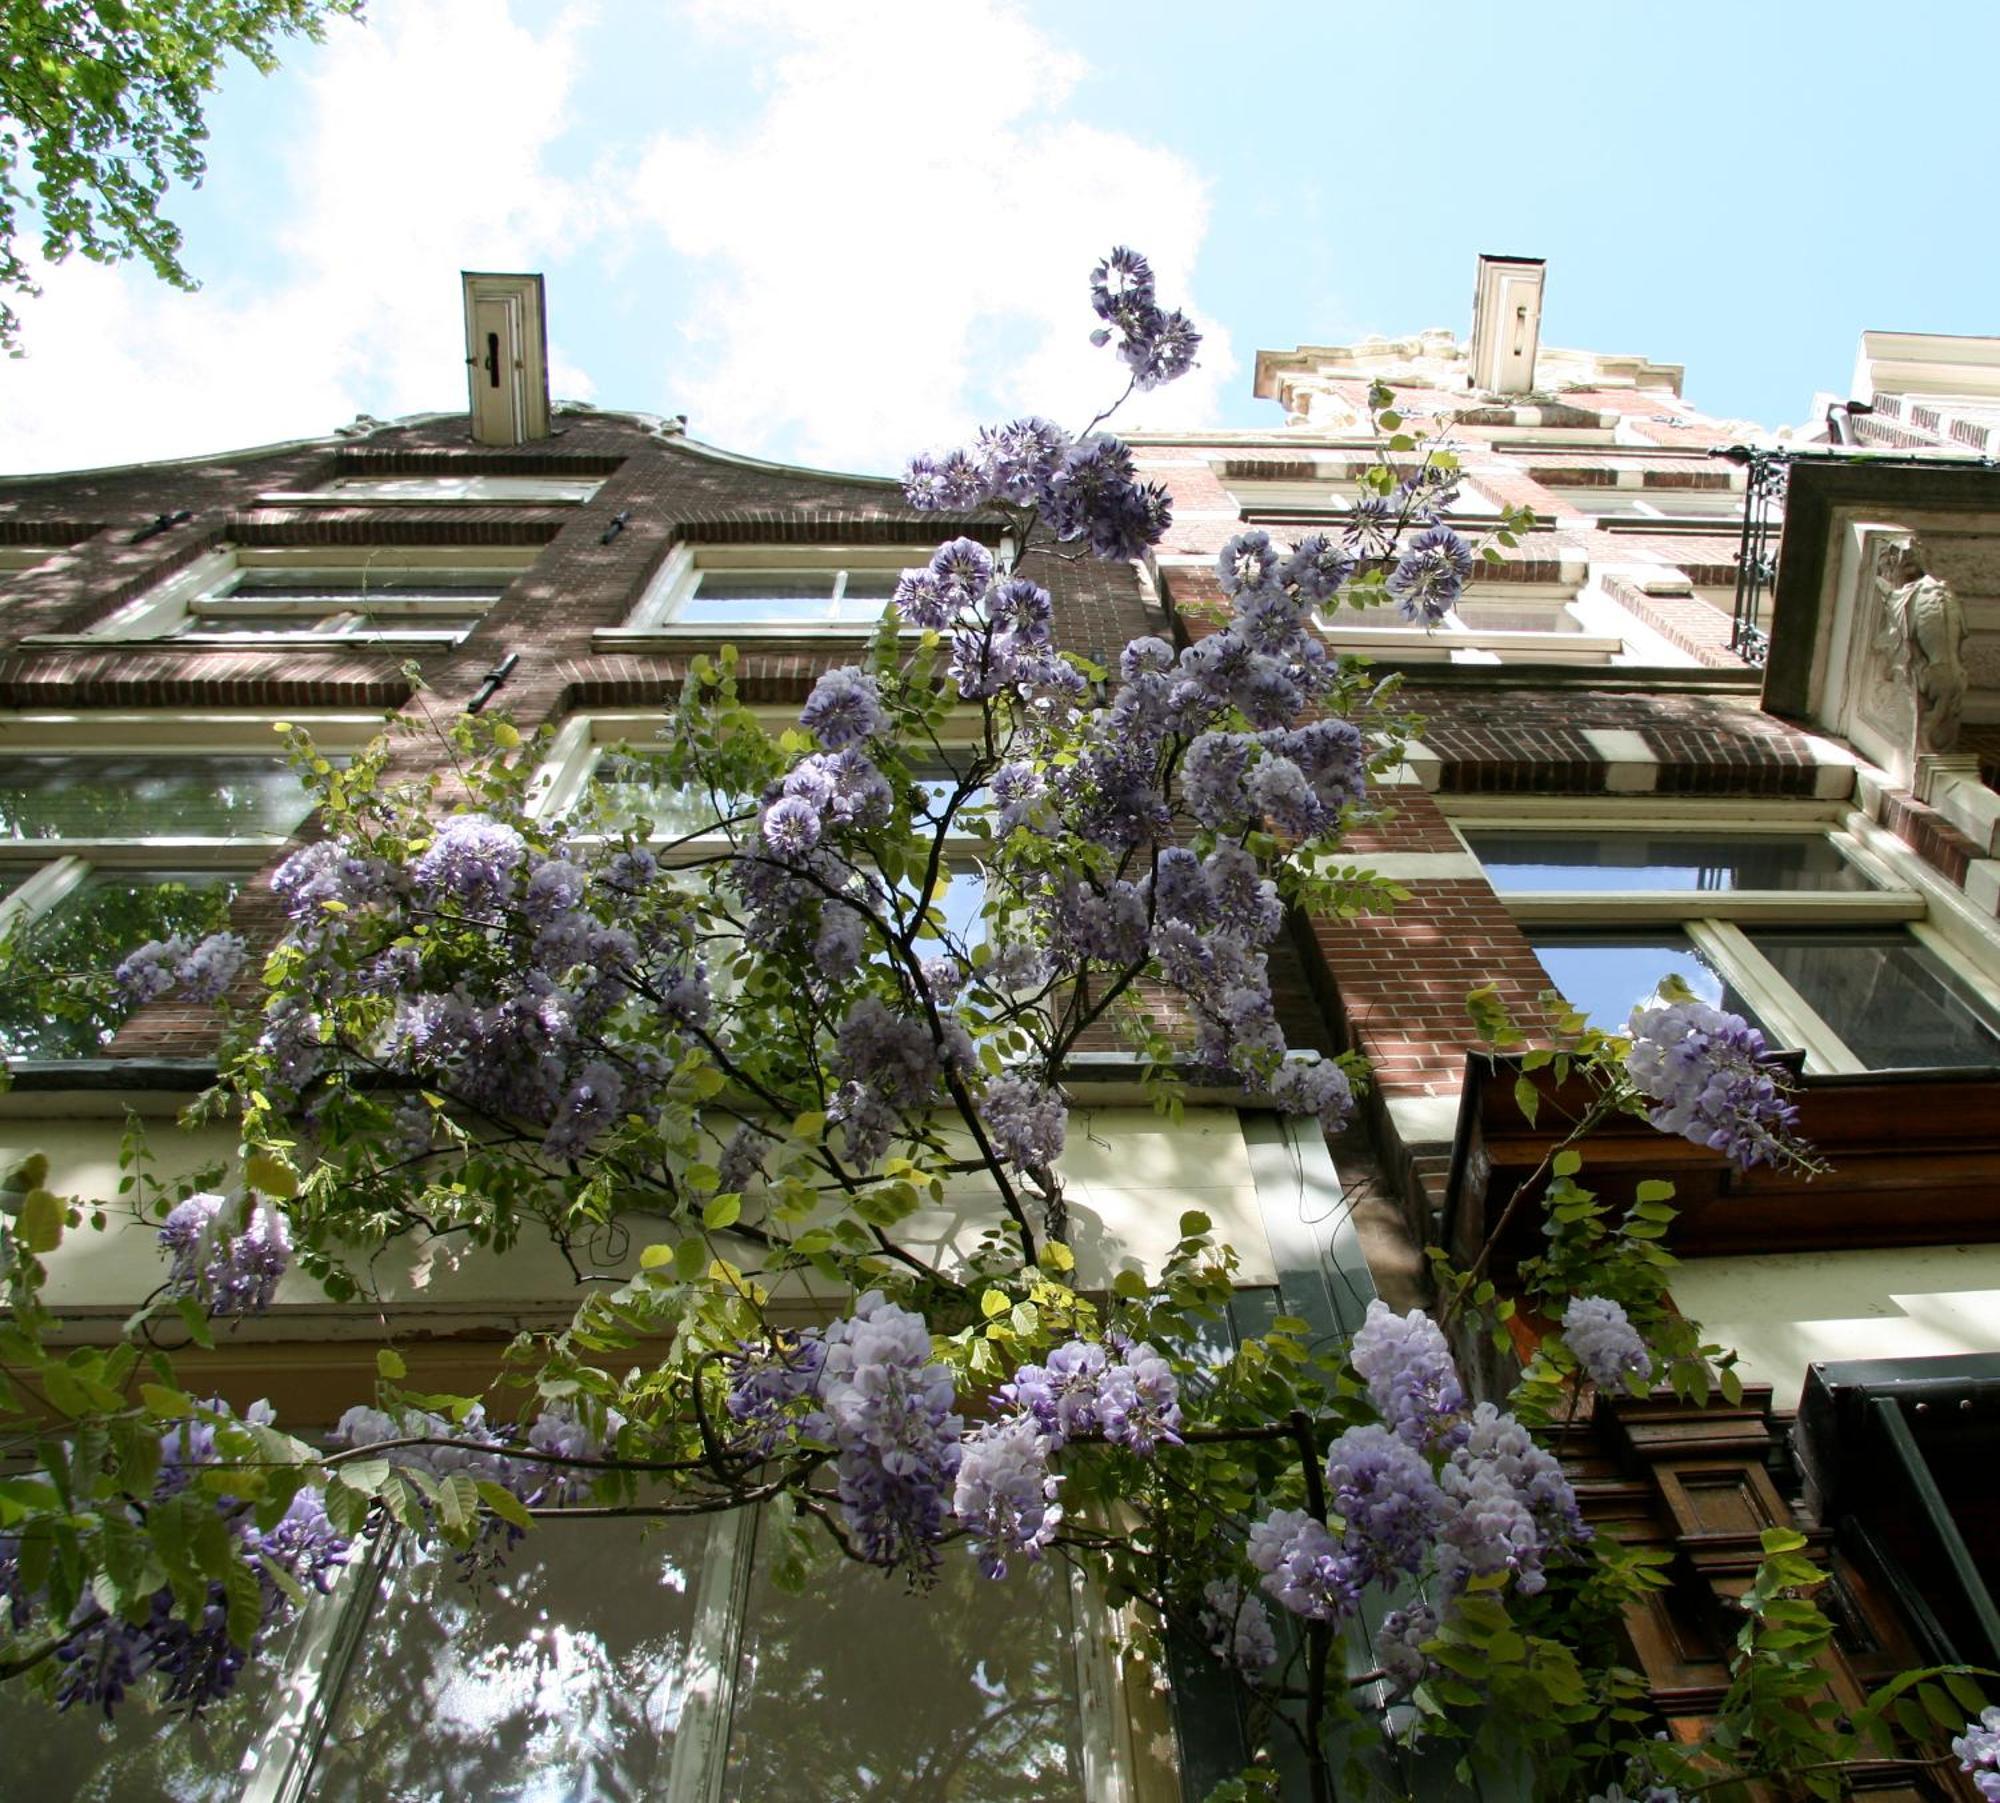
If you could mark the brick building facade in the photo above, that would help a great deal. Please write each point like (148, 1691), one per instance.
(1600, 776)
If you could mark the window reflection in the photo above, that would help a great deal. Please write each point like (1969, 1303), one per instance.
(862, 1688)
(90, 931)
(1606, 975)
(1703, 863)
(1889, 997)
(82, 797)
(560, 1679)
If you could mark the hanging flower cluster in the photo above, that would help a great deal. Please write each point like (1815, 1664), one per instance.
(1703, 1069)
(1437, 1490)
(1605, 1342)
(1978, 1751)
(227, 1255)
(195, 1659)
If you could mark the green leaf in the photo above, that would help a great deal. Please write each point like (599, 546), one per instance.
(40, 1223)
(994, 1302)
(1194, 1224)
(366, 1477)
(270, 1175)
(389, 1364)
(1567, 1162)
(724, 1211)
(244, 1599)
(690, 1260)
(505, 1504)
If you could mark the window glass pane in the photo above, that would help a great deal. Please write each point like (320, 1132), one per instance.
(349, 623)
(1710, 863)
(1894, 1002)
(146, 1752)
(626, 790)
(466, 488)
(347, 587)
(559, 1678)
(872, 585)
(110, 914)
(782, 597)
(78, 797)
(1606, 975)
(864, 1689)
(959, 898)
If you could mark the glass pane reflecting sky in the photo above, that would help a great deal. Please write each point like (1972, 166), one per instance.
(1711, 863)
(1607, 975)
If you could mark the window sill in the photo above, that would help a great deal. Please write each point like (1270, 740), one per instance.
(270, 641)
(671, 636)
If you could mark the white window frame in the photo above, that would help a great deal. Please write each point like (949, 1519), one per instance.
(656, 614)
(440, 490)
(1908, 894)
(1719, 506)
(161, 614)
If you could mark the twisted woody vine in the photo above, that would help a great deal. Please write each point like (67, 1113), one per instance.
(735, 1029)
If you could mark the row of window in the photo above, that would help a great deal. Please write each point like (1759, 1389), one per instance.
(1818, 937)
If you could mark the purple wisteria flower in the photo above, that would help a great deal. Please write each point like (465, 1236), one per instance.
(484, 1453)
(1005, 1494)
(844, 708)
(1383, 1490)
(194, 1660)
(790, 827)
(1606, 1344)
(1431, 575)
(1305, 1569)
(1399, 1644)
(1124, 1390)
(770, 1384)
(1026, 1121)
(1157, 346)
(470, 864)
(1978, 1751)
(225, 1257)
(1514, 1509)
(887, 1412)
(589, 1108)
(1411, 1379)
(1702, 1069)
(1238, 1627)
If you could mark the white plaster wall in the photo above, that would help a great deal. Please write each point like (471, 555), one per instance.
(1785, 1312)
(1130, 1175)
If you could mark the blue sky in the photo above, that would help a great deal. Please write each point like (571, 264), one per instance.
(837, 230)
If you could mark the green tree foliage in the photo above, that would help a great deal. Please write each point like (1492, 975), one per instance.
(101, 112)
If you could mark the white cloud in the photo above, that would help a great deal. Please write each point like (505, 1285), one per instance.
(421, 150)
(906, 193)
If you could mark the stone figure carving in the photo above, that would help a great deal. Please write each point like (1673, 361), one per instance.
(1922, 633)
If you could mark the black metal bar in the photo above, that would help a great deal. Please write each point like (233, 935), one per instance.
(164, 522)
(618, 524)
(494, 678)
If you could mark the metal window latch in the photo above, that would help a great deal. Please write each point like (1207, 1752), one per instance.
(494, 678)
